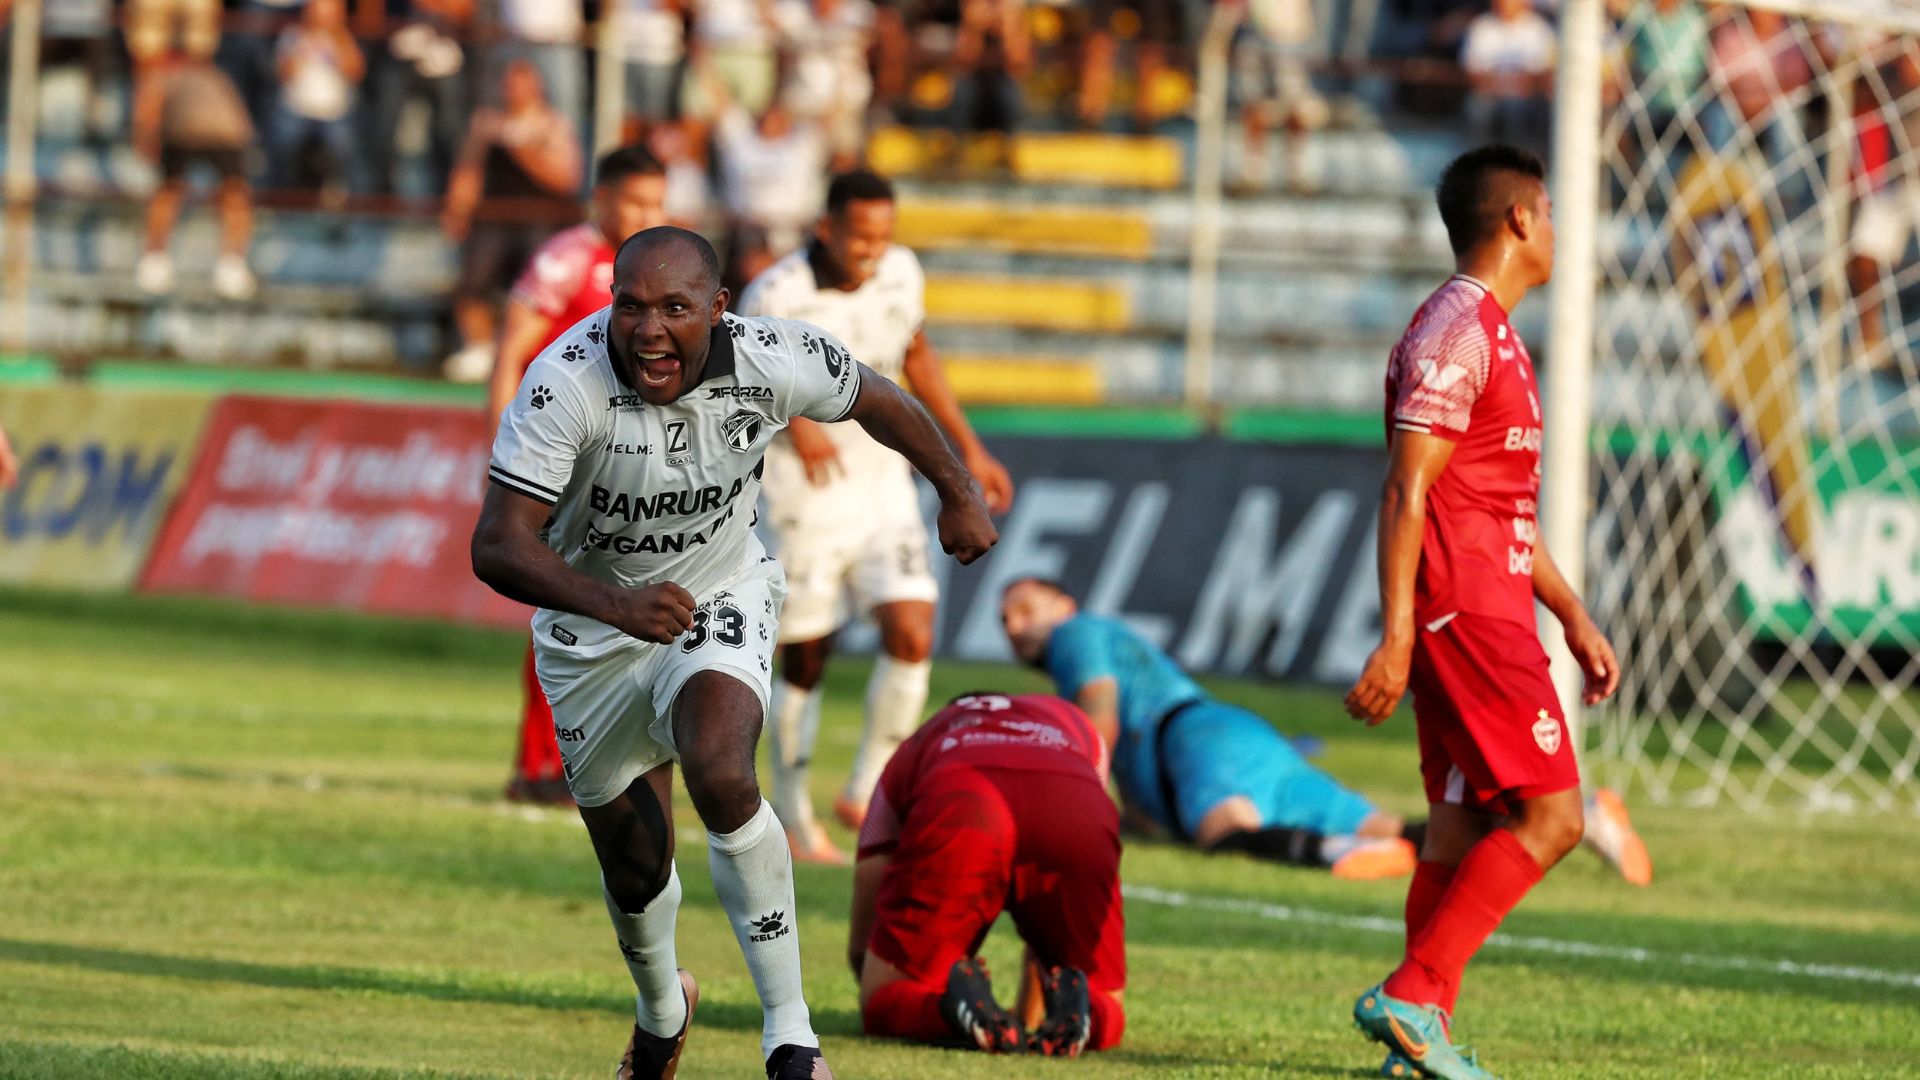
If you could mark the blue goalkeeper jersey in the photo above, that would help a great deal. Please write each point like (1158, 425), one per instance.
(1087, 648)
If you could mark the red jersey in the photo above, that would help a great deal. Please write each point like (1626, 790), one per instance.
(1460, 372)
(569, 278)
(1030, 732)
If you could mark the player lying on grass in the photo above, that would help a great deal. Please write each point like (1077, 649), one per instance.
(624, 476)
(1460, 573)
(996, 803)
(1205, 771)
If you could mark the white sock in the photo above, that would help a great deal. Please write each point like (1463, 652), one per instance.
(753, 876)
(646, 940)
(796, 727)
(896, 694)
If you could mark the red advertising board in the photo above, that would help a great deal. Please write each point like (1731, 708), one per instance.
(336, 503)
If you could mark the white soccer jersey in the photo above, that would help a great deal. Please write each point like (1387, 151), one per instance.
(878, 322)
(650, 493)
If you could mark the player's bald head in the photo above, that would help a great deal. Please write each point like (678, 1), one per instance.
(671, 250)
(1480, 187)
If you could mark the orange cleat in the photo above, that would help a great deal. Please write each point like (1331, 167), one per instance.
(1611, 836)
(816, 848)
(1374, 860)
(851, 814)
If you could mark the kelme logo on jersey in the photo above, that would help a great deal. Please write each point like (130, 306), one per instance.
(539, 397)
(1546, 733)
(741, 393)
(563, 635)
(742, 430)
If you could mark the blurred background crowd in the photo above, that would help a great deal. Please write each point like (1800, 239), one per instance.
(483, 116)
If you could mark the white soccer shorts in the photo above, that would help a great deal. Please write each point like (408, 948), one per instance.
(834, 574)
(613, 715)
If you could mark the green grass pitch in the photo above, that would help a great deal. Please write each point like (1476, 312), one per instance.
(247, 843)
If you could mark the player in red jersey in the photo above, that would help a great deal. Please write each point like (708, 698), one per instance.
(1460, 569)
(996, 802)
(569, 278)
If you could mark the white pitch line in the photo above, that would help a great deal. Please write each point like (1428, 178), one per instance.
(1147, 894)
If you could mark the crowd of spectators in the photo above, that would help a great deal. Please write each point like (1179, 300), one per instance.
(485, 108)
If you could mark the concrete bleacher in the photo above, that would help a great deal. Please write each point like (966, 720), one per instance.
(1063, 281)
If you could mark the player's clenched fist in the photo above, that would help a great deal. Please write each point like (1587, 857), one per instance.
(1382, 683)
(966, 532)
(657, 613)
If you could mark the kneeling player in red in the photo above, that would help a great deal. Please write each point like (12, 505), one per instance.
(996, 803)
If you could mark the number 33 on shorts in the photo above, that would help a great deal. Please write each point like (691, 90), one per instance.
(720, 621)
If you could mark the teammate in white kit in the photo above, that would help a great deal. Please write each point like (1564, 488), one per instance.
(843, 507)
(624, 479)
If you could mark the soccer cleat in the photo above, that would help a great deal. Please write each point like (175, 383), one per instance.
(817, 848)
(657, 1057)
(1069, 1022)
(972, 1012)
(1610, 834)
(154, 273)
(792, 1062)
(1376, 859)
(231, 278)
(851, 814)
(1418, 1033)
(1398, 1067)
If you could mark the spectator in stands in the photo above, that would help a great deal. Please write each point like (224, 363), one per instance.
(1756, 64)
(991, 54)
(654, 37)
(829, 80)
(157, 29)
(689, 196)
(734, 48)
(1509, 54)
(1889, 213)
(772, 172)
(320, 72)
(518, 176)
(1667, 57)
(550, 34)
(1156, 25)
(186, 112)
(1275, 87)
(246, 54)
(424, 60)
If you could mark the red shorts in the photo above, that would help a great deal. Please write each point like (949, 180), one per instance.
(1491, 728)
(1043, 846)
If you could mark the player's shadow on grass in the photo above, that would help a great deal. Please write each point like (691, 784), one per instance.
(462, 987)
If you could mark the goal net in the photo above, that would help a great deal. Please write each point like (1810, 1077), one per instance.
(1755, 546)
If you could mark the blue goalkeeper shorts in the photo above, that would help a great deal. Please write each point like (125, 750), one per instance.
(1213, 751)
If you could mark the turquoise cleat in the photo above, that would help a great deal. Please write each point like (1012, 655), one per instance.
(1416, 1034)
(1399, 1068)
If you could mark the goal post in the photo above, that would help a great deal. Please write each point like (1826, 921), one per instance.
(1732, 384)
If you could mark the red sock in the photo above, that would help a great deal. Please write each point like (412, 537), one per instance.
(1430, 881)
(1490, 882)
(539, 757)
(1109, 1021)
(904, 1009)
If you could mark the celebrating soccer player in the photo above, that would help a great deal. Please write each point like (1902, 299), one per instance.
(843, 507)
(1460, 569)
(624, 478)
(567, 280)
(997, 803)
(1204, 771)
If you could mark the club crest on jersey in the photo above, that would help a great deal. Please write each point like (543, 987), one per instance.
(1546, 733)
(742, 430)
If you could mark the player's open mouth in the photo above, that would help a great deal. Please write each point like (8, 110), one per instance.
(658, 369)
